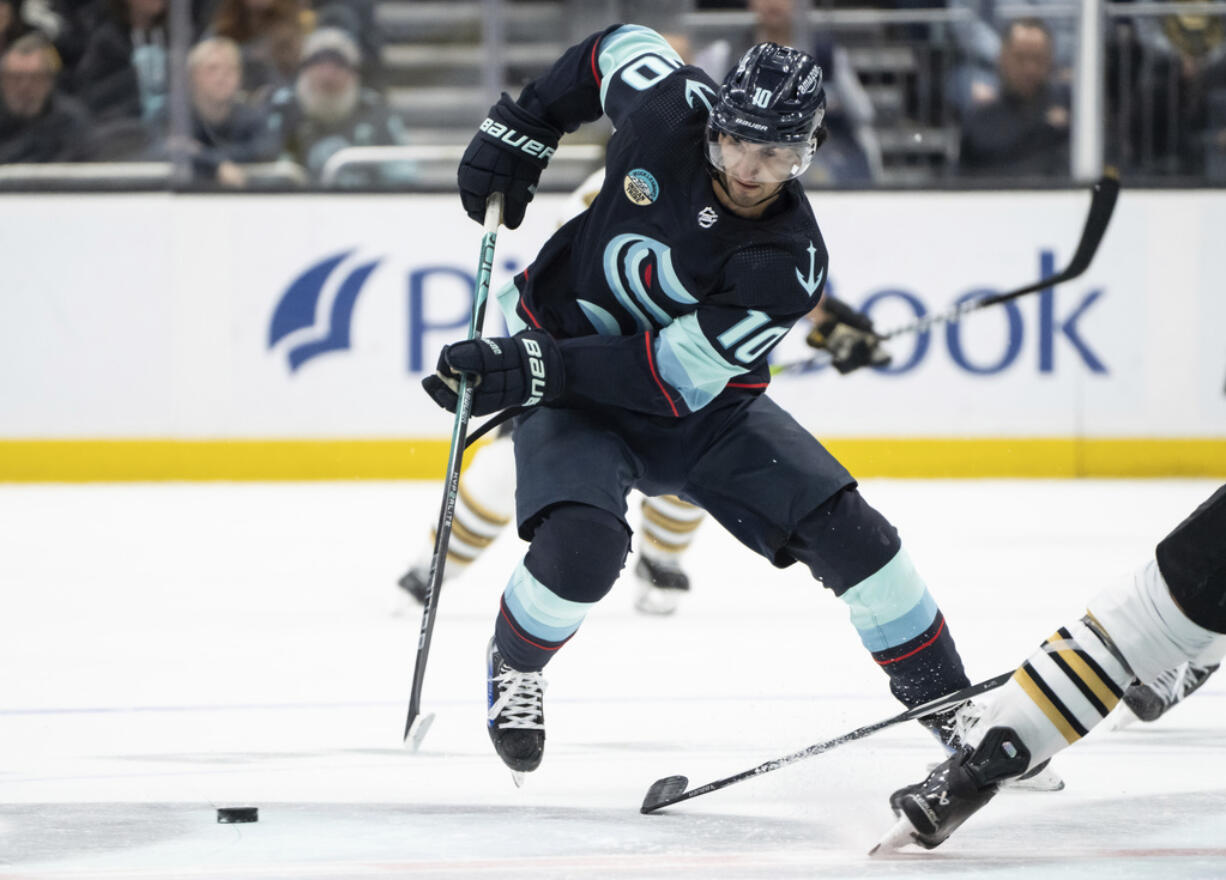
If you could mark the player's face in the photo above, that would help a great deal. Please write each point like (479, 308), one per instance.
(753, 174)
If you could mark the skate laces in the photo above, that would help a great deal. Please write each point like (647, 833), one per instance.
(966, 718)
(519, 700)
(1170, 685)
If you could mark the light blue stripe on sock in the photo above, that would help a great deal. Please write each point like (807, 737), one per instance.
(539, 611)
(891, 606)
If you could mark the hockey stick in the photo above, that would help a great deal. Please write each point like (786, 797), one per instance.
(1102, 204)
(671, 789)
(416, 725)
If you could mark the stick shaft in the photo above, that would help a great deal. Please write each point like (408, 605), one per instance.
(451, 485)
(818, 748)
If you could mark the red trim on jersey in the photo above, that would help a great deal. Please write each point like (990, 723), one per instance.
(912, 653)
(531, 317)
(647, 275)
(595, 66)
(748, 384)
(652, 366)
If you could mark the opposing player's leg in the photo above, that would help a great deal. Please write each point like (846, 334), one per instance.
(667, 530)
(573, 514)
(1170, 611)
(485, 505)
(778, 490)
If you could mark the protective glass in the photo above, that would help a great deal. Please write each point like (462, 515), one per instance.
(757, 162)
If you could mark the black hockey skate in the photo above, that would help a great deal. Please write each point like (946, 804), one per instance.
(660, 586)
(416, 582)
(516, 714)
(951, 728)
(932, 810)
(1149, 702)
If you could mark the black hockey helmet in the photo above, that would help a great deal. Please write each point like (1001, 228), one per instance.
(773, 96)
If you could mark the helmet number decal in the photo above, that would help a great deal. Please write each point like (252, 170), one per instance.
(761, 97)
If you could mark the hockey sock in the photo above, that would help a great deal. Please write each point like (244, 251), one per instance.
(576, 555)
(902, 627)
(1062, 690)
(668, 528)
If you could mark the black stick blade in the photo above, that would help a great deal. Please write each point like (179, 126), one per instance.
(663, 792)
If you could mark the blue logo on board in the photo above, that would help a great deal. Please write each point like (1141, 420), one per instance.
(301, 311)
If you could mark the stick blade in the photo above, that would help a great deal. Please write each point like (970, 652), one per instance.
(417, 731)
(663, 792)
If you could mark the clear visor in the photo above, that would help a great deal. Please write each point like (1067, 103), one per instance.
(753, 162)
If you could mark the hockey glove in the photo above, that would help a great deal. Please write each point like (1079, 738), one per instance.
(522, 370)
(506, 155)
(849, 337)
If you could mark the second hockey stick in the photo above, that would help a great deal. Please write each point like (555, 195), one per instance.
(1102, 205)
(416, 724)
(671, 789)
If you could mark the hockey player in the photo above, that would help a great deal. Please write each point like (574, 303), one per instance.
(1170, 611)
(641, 335)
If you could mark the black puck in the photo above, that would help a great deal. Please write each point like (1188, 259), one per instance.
(232, 815)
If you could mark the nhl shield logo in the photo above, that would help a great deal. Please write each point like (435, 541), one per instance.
(641, 187)
(707, 217)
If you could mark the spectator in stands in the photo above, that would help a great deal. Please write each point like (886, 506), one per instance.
(1025, 130)
(270, 35)
(357, 18)
(226, 133)
(328, 110)
(1181, 84)
(123, 74)
(975, 79)
(38, 123)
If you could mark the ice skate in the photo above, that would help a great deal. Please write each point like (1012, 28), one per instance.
(954, 791)
(1149, 702)
(661, 585)
(516, 714)
(953, 726)
(416, 583)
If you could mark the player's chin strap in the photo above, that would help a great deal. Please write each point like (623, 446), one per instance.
(493, 422)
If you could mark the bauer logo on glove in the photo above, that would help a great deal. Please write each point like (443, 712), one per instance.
(522, 370)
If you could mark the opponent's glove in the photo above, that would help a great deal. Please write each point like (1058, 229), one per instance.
(506, 155)
(849, 337)
(521, 370)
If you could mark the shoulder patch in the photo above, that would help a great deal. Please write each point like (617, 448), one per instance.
(640, 186)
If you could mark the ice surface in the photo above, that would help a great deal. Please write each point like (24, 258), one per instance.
(169, 649)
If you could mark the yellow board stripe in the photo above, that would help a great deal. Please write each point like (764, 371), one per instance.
(1040, 699)
(89, 460)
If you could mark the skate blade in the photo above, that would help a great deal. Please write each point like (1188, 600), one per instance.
(1122, 717)
(900, 835)
(1045, 780)
(417, 732)
(517, 776)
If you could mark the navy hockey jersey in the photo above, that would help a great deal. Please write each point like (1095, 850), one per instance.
(661, 299)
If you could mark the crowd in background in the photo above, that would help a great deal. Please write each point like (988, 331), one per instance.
(88, 80)
(276, 81)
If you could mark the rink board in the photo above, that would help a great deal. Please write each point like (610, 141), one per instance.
(158, 336)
